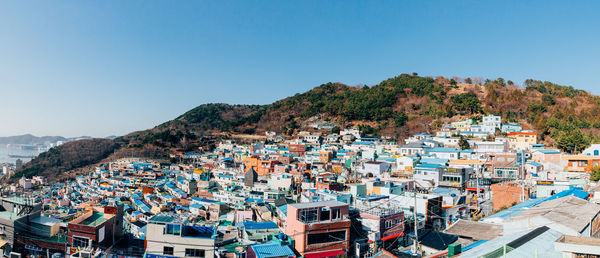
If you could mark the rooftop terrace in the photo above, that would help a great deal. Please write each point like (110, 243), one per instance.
(96, 219)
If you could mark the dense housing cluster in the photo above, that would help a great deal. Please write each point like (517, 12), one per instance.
(471, 189)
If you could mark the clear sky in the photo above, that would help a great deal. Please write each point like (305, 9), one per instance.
(104, 68)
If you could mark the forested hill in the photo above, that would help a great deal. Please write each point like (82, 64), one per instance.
(397, 107)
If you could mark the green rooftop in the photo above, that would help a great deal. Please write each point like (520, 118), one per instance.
(96, 219)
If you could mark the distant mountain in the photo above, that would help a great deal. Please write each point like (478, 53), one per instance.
(565, 117)
(30, 139)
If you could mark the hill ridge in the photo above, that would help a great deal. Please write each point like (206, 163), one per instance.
(396, 107)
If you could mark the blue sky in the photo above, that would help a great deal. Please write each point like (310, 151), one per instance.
(104, 68)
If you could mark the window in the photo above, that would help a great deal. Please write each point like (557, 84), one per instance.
(388, 224)
(173, 229)
(325, 213)
(336, 214)
(499, 173)
(308, 215)
(328, 237)
(194, 252)
(168, 250)
(81, 242)
(511, 174)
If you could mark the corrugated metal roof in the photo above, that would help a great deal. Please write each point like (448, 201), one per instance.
(272, 250)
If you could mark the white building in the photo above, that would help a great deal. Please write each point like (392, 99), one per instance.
(593, 150)
(280, 181)
(170, 235)
(447, 141)
(375, 168)
(491, 123)
(491, 147)
(351, 131)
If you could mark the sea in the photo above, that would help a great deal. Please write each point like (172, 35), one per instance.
(6, 150)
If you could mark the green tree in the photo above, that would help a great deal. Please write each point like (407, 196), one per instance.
(572, 141)
(501, 81)
(335, 129)
(367, 130)
(463, 143)
(453, 83)
(548, 100)
(466, 102)
(400, 118)
(595, 173)
(468, 81)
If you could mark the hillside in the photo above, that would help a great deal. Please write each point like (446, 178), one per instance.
(69, 156)
(396, 107)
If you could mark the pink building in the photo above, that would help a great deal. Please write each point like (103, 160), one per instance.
(241, 216)
(319, 229)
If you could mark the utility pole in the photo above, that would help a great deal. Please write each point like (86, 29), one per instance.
(522, 172)
(477, 177)
(416, 242)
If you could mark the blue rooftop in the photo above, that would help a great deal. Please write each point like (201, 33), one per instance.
(434, 161)
(549, 151)
(534, 164)
(429, 166)
(272, 250)
(199, 231)
(283, 208)
(521, 207)
(251, 225)
(444, 150)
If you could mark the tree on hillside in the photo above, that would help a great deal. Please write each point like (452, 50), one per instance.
(367, 130)
(466, 102)
(400, 118)
(548, 100)
(572, 141)
(468, 81)
(335, 129)
(463, 143)
(453, 83)
(500, 81)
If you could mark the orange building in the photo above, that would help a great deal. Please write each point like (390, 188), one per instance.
(581, 163)
(251, 162)
(325, 156)
(266, 167)
(506, 194)
(261, 166)
(521, 140)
